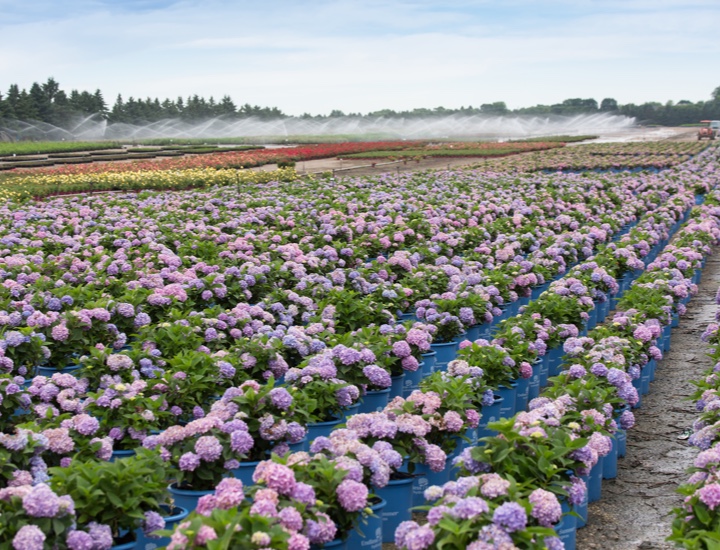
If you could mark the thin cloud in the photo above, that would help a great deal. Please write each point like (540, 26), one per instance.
(366, 55)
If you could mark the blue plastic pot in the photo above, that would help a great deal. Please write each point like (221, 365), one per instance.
(446, 352)
(187, 498)
(470, 440)
(534, 386)
(369, 533)
(473, 332)
(337, 544)
(538, 290)
(504, 314)
(374, 401)
(302, 445)
(521, 394)
(126, 546)
(544, 370)
(351, 410)
(412, 380)
(667, 332)
(645, 380)
(49, 371)
(489, 413)
(593, 318)
(424, 478)
(610, 461)
(172, 518)
(410, 316)
(398, 494)
(429, 360)
(621, 440)
(116, 455)
(582, 508)
(595, 481)
(245, 471)
(396, 388)
(566, 528)
(508, 395)
(554, 359)
(321, 429)
(637, 384)
(651, 366)
(512, 309)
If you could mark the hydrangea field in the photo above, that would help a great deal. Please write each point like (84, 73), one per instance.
(445, 359)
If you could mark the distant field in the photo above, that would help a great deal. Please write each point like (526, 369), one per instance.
(554, 139)
(410, 153)
(41, 147)
(462, 149)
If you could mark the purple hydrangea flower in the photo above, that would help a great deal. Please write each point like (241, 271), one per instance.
(208, 448)
(189, 462)
(710, 495)
(545, 507)
(41, 502)
(510, 516)
(377, 376)
(153, 522)
(469, 507)
(281, 398)
(80, 540)
(29, 537)
(352, 495)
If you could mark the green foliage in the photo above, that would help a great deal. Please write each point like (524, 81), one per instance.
(12, 461)
(696, 526)
(29, 354)
(255, 407)
(542, 462)
(41, 147)
(13, 518)
(453, 531)
(499, 368)
(353, 311)
(114, 493)
(235, 528)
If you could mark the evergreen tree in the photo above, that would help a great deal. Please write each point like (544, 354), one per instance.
(117, 114)
(12, 99)
(99, 105)
(226, 106)
(5, 109)
(25, 107)
(40, 103)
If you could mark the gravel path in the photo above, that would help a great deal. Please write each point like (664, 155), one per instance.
(635, 509)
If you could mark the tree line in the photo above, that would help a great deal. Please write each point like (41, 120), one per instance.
(47, 102)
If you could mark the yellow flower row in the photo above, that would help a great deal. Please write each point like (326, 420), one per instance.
(43, 185)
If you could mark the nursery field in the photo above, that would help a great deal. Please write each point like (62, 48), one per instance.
(228, 358)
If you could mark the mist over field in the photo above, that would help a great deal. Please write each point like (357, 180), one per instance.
(452, 126)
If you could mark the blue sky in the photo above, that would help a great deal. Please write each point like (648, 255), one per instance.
(359, 56)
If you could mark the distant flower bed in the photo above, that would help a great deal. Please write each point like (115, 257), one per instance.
(601, 156)
(37, 186)
(461, 149)
(233, 159)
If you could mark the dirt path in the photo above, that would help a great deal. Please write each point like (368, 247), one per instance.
(634, 511)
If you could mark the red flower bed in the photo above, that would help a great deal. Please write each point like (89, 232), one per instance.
(236, 159)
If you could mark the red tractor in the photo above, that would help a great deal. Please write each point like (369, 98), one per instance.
(710, 130)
